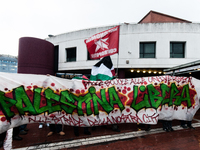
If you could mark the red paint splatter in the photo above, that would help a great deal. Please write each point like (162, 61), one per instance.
(155, 83)
(145, 82)
(82, 91)
(182, 107)
(35, 86)
(192, 86)
(128, 89)
(71, 90)
(6, 89)
(127, 110)
(52, 115)
(3, 119)
(175, 108)
(124, 91)
(77, 91)
(29, 87)
(52, 84)
(125, 87)
(57, 90)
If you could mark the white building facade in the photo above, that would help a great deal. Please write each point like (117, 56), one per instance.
(144, 49)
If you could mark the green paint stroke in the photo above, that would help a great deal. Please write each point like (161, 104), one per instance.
(153, 100)
(90, 102)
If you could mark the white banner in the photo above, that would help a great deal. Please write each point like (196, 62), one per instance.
(26, 98)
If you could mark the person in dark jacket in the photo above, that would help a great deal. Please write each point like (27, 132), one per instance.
(2, 138)
(15, 135)
(55, 128)
(187, 124)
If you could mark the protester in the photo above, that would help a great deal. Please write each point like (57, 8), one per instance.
(189, 124)
(23, 130)
(76, 131)
(115, 128)
(2, 138)
(15, 135)
(167, 126)
(41, 125)
(55, 128)
(148, 128)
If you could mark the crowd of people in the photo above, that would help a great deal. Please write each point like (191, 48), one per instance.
(167, 125)
(53, 128)
(58, 128)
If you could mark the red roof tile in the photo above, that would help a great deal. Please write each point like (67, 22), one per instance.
(156, 17)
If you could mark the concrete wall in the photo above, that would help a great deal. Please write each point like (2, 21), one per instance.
(130, 37)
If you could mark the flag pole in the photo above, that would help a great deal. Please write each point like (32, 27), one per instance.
(117, 64)
(118, 53)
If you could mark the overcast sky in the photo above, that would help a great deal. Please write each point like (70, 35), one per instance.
(39, 18)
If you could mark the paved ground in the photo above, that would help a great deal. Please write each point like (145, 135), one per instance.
(105, 138)
(178, 140)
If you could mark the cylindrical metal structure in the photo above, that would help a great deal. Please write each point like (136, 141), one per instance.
(35, 56)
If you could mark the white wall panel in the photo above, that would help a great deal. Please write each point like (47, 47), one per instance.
(130, 37)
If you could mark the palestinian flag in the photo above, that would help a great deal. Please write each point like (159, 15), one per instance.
(103, 70)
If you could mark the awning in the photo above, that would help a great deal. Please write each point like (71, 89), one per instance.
(184, 68)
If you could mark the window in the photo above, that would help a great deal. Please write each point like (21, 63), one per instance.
(88, 56)
(177, 49)
(56, 58)
(71, 54)
(147, 49)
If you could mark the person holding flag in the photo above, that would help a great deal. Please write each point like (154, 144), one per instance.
(102, 45)
(101, 71)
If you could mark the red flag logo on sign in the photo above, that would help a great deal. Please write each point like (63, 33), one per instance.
(103, 44)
